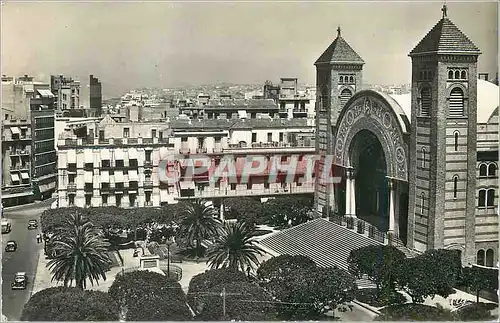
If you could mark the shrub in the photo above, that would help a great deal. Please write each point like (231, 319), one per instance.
(208, 280)
(244, 302)
(415, 312)
(477, 312)
(149, 296)
(70, 304)
(371, 297)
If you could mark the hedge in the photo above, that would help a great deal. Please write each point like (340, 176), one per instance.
(415, 312)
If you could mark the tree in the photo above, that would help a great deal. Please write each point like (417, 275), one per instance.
(274, 273)
(244, 209)
(200, 222)
(70, 304)
(285, 211)
(81, 253)
(480, 278)
(235, 248)
(379, 263)
(312, 293)
(244, 301)
(209, 279)
(149, 296)
(446, 267)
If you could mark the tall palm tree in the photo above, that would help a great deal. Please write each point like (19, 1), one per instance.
(235, 248)
(81, 253)
(199, 223)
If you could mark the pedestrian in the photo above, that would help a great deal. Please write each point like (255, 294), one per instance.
(38, 238)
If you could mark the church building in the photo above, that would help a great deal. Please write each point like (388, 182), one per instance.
(419, 168)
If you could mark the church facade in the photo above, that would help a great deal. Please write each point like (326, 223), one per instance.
(422, 167)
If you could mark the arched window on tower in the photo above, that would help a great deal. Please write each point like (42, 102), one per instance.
(425, 96)
(455, 186)
(483, 170)
(489, 258)
(345, 95)
(423, 157)
(351, 79)
(480, 257)
(463, 75)
(455, 135)
(482, 198)
(450, 75)
(422, 205)
(490, 197)
(492, 170)
(341, 79)
(456, 102)
(457, 75)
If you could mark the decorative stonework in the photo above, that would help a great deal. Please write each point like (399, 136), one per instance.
(376, 115)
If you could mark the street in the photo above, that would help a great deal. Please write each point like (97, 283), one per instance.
(25, 258)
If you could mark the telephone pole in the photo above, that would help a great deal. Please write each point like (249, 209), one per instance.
(223, 302)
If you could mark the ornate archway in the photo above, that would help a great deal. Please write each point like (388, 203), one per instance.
(370, 144)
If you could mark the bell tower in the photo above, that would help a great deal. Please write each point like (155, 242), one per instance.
(338, 77)
(443, 140)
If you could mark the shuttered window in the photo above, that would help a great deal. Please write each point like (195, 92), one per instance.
(425, 110)
(456, 102)
(345, 95)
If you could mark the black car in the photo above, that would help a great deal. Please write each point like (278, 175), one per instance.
(32, 225)
(11, 246)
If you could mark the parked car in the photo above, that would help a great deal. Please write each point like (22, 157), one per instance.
(32, 225)
(11, 246)
(6, 226)
(20, 281)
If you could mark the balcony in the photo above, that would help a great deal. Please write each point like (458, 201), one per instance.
(148, 183)
(20, 152)
(148, 163)
(71, 187)
(20, 167)
(210, 192)
(201, 150)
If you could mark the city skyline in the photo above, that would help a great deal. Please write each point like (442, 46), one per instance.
(169, 44)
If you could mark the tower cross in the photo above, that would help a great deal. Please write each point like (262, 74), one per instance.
(444, 10)
(338, 32)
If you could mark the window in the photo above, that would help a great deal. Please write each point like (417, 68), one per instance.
(71, 199)
(148, 197)
(131, 199)
(422, 197)
(423, 157)
(450, 75)
(480, 257)
(490, 198)
(104, 200)
(153, 133)
(254, 137)
(101, 135)
(269, 137)
(456, 102)
(351, 79)
(482, 198)
(233, 186)
(126, 132)
(492, 169)
(457, 75)
(345, 95)
(118, 200)
(88, 200)
(463, 75)
(489, 258)
(184, 139)
(425, 103)
(483, 170)
(456, 133)
(341, 79)
(455, 186)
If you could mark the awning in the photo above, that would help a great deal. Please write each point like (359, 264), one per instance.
(71, 156)
(187, 185)
(104, 176)
(132, 176)
(89, 156)
(242, 114)
(132, 153)
(89, 178)
(45, 93)
(105, 154)
(14, 177)
(119, 154)
(119, 176)
(15, 130)
(25, 175)
(47, 187)
(13, 195)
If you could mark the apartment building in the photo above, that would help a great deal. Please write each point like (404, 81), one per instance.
(232, 109)
(95, 96)
(27, 140)
(66, 91)
(121, 165)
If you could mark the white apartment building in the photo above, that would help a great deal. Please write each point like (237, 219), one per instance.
(124, 170)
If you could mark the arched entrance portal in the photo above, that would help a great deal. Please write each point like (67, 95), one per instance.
(368, 159)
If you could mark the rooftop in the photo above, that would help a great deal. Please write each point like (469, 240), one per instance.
(445, 38)
(226, 124)
(339, 52)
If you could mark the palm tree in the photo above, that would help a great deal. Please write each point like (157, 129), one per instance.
(199, 223)
(235, 249)
(81, 253)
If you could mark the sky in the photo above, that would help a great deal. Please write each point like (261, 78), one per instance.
(129, 45)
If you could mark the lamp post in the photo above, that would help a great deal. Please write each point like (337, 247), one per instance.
(169, 242)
